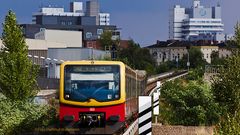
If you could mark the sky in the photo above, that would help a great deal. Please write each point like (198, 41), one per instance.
(144, 21)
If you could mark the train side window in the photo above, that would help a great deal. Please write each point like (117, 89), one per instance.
(127, 86)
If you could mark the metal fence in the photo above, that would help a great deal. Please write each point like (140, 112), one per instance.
(48, 83)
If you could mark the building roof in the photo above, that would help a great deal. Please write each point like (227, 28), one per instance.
(177, 43)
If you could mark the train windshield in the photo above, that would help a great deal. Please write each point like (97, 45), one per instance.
(85, 82)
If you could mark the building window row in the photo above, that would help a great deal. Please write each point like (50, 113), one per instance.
(66, 23)
(186, 22)
(187, 27)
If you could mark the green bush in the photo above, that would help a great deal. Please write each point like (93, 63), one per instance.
(21, 117)
(195, 74)
(188, 103)
(229, 125)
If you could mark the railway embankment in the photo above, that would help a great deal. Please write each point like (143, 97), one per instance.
(158, 129)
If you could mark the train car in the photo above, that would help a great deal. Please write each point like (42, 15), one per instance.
(99, 95)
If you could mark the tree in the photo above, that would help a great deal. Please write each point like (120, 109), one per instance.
(106, 40)
(229, 125)
(226, 86)
(137, 57)
(237, 35)
(215, 60)
(166, 66)
(188, 103)
(196, 58)
(226, 90)
(17, 73)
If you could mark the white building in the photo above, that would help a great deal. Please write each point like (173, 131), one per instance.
(177, 16)
(196, 23)
(207, 51)
(174, 51)
(104, 19)
(70, 38)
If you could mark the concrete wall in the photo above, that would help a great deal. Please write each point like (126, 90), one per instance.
(181, 130)
(70, 54)
(36, 44)
(70, 38)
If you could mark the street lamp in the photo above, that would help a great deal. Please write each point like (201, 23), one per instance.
(177, 62)
(188, 63)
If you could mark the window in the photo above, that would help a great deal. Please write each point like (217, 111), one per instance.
(42, 29)
(99, 31)
(63, 23)
(100, 82)
(89, 35)
(69, 23)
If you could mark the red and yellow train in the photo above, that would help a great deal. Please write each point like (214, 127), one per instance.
(99, 94)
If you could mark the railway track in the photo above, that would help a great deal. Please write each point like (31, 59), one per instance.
(152, 82)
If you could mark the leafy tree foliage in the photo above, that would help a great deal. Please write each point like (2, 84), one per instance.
(106, 39)
(226, 86)
(196, 58)
(226, 89)
(20, 117)
(196, 74)
(189, 104)
(166, 66)
(215, 60)
(237, 35)
(17, 73)
(137, 57)
(229, 125)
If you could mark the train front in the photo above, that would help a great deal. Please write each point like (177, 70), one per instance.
(92, 93)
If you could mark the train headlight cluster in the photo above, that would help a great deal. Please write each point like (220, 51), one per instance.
(91, 119)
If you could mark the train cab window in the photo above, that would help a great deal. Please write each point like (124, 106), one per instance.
(98, 82)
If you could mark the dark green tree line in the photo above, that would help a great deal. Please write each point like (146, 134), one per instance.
(137, 57)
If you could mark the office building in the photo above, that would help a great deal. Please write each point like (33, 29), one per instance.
(56, 18)
(89, 32)
(196, 23)
(57, 15)
(76, 15)
(92, 9)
